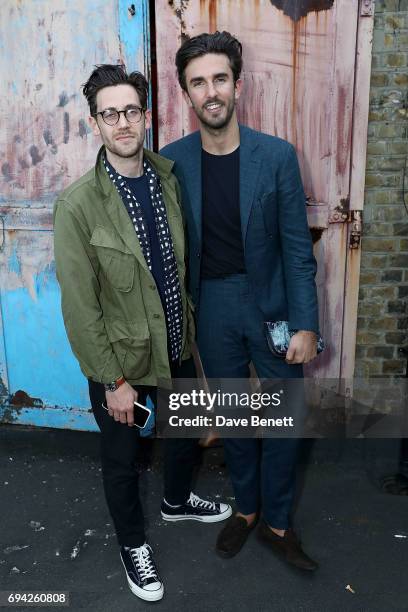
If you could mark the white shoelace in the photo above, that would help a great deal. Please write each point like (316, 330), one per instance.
(195, 501)
(144, 562)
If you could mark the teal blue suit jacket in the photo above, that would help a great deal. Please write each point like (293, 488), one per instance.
(277, 242)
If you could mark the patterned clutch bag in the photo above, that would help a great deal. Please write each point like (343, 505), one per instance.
(278, 335)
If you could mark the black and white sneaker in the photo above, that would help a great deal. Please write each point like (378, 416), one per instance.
(141, 572)
(196, 509)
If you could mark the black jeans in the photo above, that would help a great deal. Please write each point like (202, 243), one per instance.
(119, 451)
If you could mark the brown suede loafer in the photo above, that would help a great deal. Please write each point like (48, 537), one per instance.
(287, 547)
(233, 536)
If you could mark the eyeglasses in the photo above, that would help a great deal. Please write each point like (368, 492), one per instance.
(111, 116)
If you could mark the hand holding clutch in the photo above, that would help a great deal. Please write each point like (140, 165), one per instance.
(278, 336)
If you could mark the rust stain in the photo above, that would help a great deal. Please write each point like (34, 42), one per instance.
(294, 78)
(50, 54)
(343, 134)
(212, 13)
(179, 13)
(256, 11)
(21, 398)
(296, 9)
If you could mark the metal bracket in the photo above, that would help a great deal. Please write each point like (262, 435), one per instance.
(356, 220)
(367, 8)
(355, 217)
(339, 216)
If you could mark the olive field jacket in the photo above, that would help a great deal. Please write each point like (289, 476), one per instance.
(111, 306)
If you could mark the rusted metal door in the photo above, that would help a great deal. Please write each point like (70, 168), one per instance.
(306, 79)
(48, 49)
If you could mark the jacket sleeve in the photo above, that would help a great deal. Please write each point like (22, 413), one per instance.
(298, 259)
(76, 269)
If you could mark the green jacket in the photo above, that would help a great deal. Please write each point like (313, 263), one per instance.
(111, 306)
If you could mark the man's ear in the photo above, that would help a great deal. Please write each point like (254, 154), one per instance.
(148, 119)
(238, 88)
(93, 124)
(187, 98)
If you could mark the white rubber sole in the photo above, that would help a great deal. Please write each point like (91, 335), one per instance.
(217, 518)
(141, 593)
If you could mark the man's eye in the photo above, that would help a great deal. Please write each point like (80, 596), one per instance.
(220, 79)
(197, 84)
(109, 113)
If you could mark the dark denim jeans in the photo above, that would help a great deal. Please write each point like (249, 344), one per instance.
(119, 452)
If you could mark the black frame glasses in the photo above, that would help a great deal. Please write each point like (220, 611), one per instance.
(111, 116)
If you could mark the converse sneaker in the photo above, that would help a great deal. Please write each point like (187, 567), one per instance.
(141, 572)
(196, 509)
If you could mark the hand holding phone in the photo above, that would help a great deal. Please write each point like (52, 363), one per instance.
(120, 403)
(141, 414)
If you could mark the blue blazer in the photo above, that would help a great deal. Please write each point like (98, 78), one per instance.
(277, 243)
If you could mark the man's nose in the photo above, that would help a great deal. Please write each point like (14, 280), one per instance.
(211, 90)
(123, 122)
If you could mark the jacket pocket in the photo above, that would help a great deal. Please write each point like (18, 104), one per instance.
(117, 262)
(131, 344)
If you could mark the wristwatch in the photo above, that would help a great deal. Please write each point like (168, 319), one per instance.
(112, 386)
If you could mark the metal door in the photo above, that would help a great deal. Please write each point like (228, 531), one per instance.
(48, 49)
(306, 79)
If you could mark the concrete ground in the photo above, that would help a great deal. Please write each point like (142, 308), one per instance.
(56, 533)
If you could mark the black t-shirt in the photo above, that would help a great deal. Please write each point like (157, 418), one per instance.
(140, 188)
(223, 251)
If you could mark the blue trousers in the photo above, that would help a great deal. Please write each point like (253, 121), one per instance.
(230, 336)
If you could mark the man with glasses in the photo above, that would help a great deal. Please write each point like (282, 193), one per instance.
(119, 252)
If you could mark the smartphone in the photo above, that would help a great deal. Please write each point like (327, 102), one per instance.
(141, 414)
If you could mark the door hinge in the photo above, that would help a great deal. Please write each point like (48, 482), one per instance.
(367, 8)
(356, 220)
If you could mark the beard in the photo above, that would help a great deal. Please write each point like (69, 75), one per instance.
(127, 148)
(218, 122)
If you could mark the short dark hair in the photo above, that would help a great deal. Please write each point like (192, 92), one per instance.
(219, 42)
(106, 75)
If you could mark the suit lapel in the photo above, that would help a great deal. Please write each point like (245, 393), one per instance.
(249, 167)
(192, 180)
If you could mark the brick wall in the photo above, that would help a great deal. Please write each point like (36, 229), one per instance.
(383, 307)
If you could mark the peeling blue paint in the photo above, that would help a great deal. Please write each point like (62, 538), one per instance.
(39, 358)
(14, 262)
(60, 418)
(131, 30)
(134, 36)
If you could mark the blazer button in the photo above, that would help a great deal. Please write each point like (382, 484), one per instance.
(156, 316)
(153, 287)
(198, 255)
